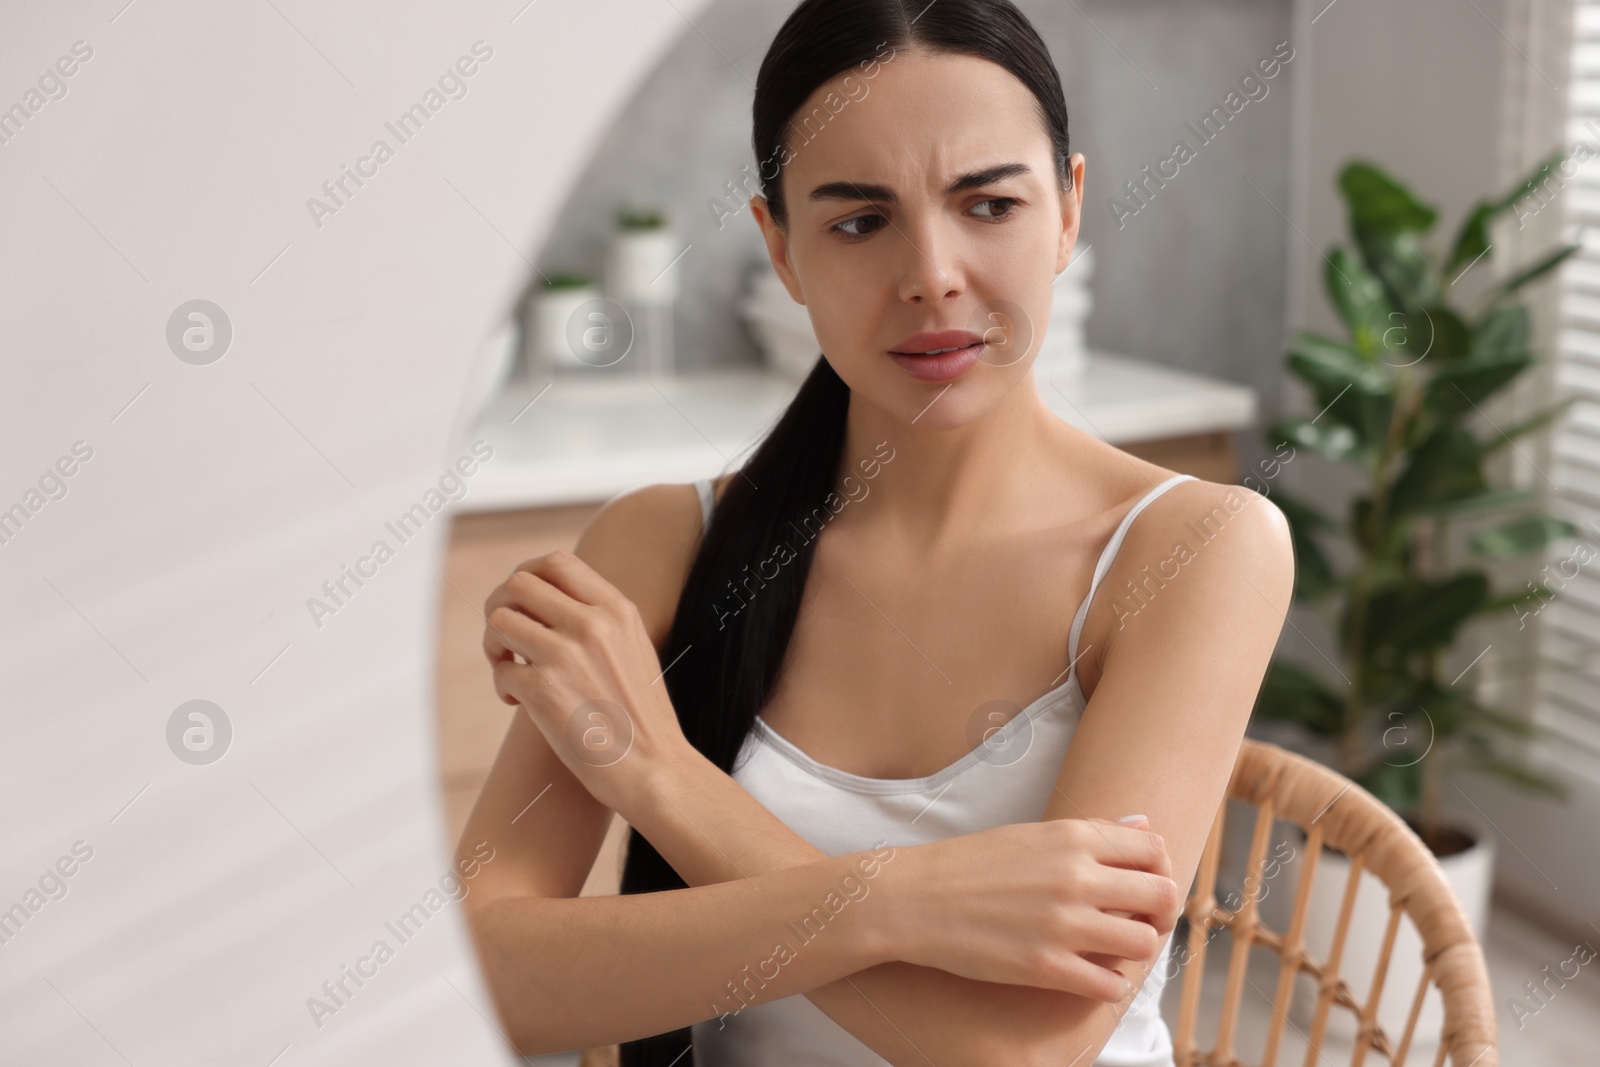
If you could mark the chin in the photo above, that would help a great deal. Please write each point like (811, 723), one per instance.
(946, 405)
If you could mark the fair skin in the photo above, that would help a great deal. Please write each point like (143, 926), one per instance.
(953, 584)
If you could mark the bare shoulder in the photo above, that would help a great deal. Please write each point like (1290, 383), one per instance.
(643, 542)
(1198, 553)
(1224, 536)
(1245, 531)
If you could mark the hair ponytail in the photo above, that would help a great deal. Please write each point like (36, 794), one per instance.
(736, 624)
(740, 602)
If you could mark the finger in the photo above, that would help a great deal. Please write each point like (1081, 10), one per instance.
(535, 597)
(1121, 937)
(508, 680)
(1121, 966)
(512, 678)
(1119, 845)
(1072, 973)
(570, 574)
(1140, 893)
(507, 631)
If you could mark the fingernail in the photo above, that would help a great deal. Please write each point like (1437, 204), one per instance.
(1133, 818)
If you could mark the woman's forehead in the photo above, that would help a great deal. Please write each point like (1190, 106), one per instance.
(922, 119)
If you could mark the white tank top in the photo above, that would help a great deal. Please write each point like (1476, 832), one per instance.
(1007, 779)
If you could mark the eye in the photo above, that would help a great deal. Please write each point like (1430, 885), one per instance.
(841, 227)
(1009, 203)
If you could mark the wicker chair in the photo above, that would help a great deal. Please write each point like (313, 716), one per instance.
(1337, 813)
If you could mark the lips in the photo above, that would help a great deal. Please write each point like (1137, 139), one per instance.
(939, 356)
(936, 343)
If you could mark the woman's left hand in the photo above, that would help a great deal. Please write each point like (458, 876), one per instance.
(591, 680)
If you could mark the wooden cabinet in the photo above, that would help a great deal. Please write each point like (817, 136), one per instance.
(483, 550)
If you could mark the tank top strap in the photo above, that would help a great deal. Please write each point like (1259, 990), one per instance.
(703, 487)
(1109, 553)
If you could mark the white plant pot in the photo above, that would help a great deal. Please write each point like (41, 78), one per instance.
(642, 267)
(549, 315)
(1470, 874)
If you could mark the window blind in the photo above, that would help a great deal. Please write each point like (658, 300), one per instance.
(1568, 688)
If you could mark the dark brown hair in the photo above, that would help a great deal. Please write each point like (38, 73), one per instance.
(729, 665)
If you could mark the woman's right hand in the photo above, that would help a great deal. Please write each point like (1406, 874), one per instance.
(1052, 904)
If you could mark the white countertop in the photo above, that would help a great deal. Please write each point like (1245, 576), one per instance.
(586, 440)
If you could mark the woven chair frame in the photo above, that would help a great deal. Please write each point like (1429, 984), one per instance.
(1335, 813)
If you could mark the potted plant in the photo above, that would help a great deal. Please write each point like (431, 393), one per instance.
(642, 269)
(1398, 401)
(551, 307)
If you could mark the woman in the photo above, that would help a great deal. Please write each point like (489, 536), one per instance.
(860, 833)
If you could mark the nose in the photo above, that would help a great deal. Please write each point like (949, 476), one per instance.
(929, 270)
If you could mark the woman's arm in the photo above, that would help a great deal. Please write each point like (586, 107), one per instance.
(1159, 737)
(571, 972)
(1179, 676)
(959, 890)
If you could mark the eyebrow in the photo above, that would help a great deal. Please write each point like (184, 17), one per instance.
(972, 180)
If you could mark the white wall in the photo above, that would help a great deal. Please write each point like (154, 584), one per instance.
(218, 498)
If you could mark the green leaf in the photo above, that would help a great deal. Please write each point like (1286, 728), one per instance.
(1535, 592)
(1401, 262)
(1314, 576)
(1445, 468)
(1290, 693)
(1328, 366)
(1331, 439)
(1540, 267)
(1434, 333)
(1377, 201)
(1503, 331)
(1351, 390)
(1505, 437)
(1515, 725)
(1521, 536)
(1385, 546)
(1464, 385)
(1422, 615)
(1472, 240)
(1358, 295)
(1399, 787)
(1463, 507)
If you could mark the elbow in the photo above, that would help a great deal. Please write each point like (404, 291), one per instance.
(1057, 1050)
(1071, 1030)
(1032, 1054)
(1040, 1043)
(514, 1016)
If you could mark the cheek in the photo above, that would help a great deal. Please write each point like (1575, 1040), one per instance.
(1016, 277)
(841, 316)
(845, 296)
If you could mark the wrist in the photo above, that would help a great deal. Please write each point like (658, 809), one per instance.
(900, 915)
(645, 790)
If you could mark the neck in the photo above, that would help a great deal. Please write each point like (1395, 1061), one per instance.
(945, 483)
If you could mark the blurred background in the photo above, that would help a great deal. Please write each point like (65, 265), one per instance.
(246, 346)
